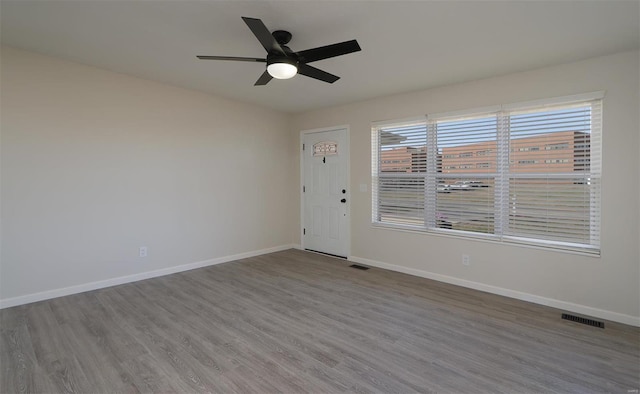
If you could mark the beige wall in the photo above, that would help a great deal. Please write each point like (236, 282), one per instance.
(607, 286)
(96, 164)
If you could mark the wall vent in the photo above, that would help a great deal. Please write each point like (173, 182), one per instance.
(583, 320)
(359, 267)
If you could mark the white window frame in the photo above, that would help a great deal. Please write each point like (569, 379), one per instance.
(502, 175)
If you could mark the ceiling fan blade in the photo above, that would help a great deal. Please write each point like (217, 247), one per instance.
(264, 79)
(263, 35)
(325, 52)
(239, 59)
(313, 72)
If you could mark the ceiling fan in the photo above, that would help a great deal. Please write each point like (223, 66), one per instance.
(282, 62)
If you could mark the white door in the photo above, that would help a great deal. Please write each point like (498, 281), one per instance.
(325, 195)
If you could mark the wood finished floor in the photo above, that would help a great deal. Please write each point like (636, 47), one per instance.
(294, 322)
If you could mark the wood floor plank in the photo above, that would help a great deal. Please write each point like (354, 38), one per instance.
(17, 356)
(54, 354)
(296, 321)
(147, 377)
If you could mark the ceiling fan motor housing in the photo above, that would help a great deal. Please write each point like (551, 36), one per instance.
(279, 58)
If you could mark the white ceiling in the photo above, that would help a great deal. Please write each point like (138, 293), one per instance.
(406, 46)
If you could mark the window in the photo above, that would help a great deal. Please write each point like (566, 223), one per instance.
(557, 146)
(399, 190)
(529, 148)
(462, 205)
(520, 193)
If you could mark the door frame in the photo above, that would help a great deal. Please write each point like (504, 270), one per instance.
(348, 181)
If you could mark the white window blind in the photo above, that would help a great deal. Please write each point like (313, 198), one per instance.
(554, 187)
(526, 173)
(399, 153)
(465, 173)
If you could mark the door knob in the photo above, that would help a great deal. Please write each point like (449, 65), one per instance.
(343, 200)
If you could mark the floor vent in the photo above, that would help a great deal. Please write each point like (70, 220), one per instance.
(583, 320)
(359, 267)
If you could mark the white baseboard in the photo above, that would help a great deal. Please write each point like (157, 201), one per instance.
(46, 295)
(568, 306)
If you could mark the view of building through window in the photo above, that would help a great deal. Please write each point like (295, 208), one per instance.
(526, 154)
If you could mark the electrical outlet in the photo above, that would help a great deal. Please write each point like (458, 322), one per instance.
(466, 260)
(143, 251)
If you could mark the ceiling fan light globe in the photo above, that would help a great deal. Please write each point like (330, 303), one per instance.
(282, 70)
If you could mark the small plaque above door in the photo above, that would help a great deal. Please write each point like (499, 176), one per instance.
(325, 148)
